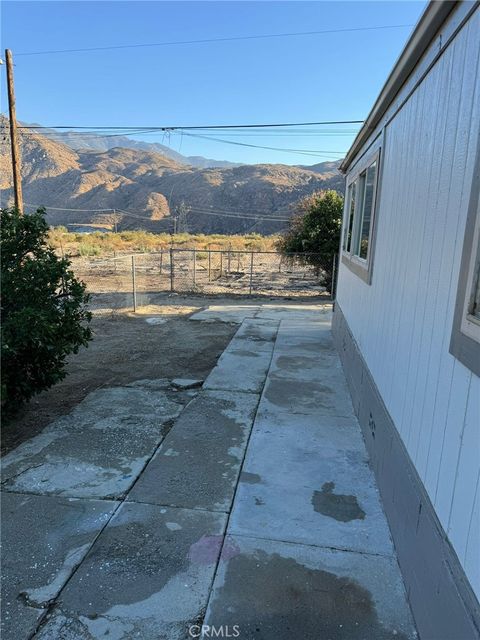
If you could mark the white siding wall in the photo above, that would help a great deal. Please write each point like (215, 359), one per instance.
(402, 322)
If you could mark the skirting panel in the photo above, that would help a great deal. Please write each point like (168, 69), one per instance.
(442, 601)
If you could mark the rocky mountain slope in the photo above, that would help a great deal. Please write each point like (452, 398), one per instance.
(150, 187)
(99, 142)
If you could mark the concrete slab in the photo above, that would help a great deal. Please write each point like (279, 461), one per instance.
(197, 465)
(240, 369)
(147, 576)
(258, 330)
(277, 591)
(298, 434)
(325, 395)
(98, 450)
(225, 313)
(244, 364)
(288, 312)
(323, 498)
(43, 540)
(306, 366)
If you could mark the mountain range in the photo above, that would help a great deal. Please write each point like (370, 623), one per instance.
(149, 185)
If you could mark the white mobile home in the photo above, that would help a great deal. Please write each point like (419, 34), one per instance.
(407, 313)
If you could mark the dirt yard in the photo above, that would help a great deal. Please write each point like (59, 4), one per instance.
(127, 347)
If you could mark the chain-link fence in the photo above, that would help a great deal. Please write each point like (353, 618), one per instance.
(133, 281)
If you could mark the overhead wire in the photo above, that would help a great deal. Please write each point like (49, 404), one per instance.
(309, 152)
(188, 127)
(232, 214)
(212, 40)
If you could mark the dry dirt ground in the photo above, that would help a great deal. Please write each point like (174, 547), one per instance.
(125, 348)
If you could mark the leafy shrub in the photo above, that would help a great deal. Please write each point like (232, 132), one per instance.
(316, 228)
(43, 309)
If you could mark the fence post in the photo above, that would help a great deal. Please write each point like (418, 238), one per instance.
(251, 272)
(209, 264)
(161, 260)
(134, 286)
(221, 263)
(229, 257)
(194, 267)
(171, 270)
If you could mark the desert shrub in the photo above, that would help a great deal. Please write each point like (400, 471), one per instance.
(88, 249)
(44, 317)
(315, 228)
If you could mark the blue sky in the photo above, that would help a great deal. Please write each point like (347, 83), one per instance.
(309, 78)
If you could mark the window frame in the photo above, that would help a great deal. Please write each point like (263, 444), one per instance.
(465, 337)
(362, 267)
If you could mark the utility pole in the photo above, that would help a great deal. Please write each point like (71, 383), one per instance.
(16, 163)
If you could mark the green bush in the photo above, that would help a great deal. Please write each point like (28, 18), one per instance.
(316, 229)
(44, 317)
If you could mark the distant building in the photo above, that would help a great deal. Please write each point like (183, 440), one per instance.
(407, 314)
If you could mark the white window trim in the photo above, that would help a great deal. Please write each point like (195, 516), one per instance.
(465, 337)
(362, 267)
(471, 325)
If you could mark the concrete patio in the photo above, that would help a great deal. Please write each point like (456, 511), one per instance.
(246, 504)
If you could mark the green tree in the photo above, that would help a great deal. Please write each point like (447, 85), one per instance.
(44, 315)
(315, 229)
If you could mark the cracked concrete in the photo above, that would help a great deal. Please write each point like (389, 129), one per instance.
(99, 449)
(144, 578)
(44, 539)
(304, 551)
(198, 463)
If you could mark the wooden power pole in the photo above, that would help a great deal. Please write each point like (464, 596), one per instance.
(16, 162)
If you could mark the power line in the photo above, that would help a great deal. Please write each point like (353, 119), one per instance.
(29, 204)
(140, 129)
(237, 215)
(240, 216)
(211, 40)
(308, 152)
(305, 152)
(286, 133)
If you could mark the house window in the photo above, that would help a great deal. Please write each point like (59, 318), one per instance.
(465, 339)
(350, 211)
(471, 311)
(359, 218)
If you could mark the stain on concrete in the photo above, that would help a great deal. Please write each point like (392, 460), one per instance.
(245, 353)
(300, 363)
(209, 439)
(207, 549)
(292, 392)
(250, 478)
(259, 502)
(273, 598)
(340, 506)
(138, 555)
